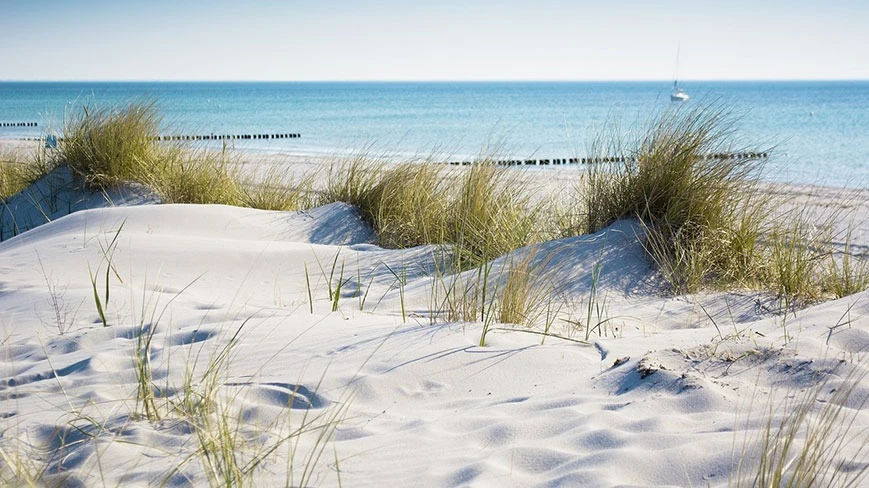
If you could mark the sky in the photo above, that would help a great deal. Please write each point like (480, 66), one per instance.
(344, 40)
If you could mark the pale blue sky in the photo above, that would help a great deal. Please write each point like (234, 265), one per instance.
(437, 40)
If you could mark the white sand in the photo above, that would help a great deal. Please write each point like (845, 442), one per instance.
(668, 397)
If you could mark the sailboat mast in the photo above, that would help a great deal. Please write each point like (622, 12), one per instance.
(678, 94)
(676, 68)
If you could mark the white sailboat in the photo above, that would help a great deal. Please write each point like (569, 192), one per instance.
(678, 94)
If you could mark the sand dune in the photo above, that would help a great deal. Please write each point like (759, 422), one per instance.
(673, 391)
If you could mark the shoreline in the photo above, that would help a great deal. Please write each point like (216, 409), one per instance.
(322, 159)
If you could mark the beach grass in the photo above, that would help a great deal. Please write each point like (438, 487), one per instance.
(847, 269)
(194, 176)
(686, 176)
(483, 211)
(706, 221)
(524, 290)
(491, 214)
(693, 188)
(277, 189)
(808, 440)
(109, 146)
(19, 170)
(14, 176)
(106, 147)
(709, 222)
(410, 204)
(353, 180)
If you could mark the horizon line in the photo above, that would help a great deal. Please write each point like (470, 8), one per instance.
(542, 80)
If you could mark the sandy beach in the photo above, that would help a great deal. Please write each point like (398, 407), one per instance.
(312, 352)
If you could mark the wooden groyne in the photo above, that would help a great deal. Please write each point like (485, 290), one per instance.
(227, 137)
(200, 137)
(606, 159)
(18, 124)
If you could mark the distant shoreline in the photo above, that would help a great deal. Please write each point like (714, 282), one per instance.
(813, 126)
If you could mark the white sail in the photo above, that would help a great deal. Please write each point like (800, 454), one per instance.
(678, 94)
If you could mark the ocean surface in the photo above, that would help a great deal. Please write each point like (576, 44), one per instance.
(818, 131)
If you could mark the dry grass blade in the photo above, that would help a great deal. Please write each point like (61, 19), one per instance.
(524, 294)
(813, 443)
(277, 190)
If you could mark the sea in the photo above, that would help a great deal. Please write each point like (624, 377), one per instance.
(815, 132)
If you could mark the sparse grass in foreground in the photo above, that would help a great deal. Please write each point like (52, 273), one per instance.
(596, 310)
(101, 300)
(227, 450)
(847, 270)
(461, 296)
(516, 291)
(525, 292)
(812, 444)
(21, 466)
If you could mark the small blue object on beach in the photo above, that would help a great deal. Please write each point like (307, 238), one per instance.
(51, 142)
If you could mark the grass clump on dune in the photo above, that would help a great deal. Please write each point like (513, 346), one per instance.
(18, 171)
(107, 147)
(410, 205)
(491, 214)
(708, 220)
(201, 177)
(482, 210)
(353, 181)
(694, 191)
(14, 177)
(277, 190)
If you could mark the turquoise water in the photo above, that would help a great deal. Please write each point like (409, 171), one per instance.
(819, 130)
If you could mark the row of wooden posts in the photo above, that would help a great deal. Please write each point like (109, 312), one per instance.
(206, 137)
(612, 159)
(51, 141)
(226, 137)
(18, 124)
